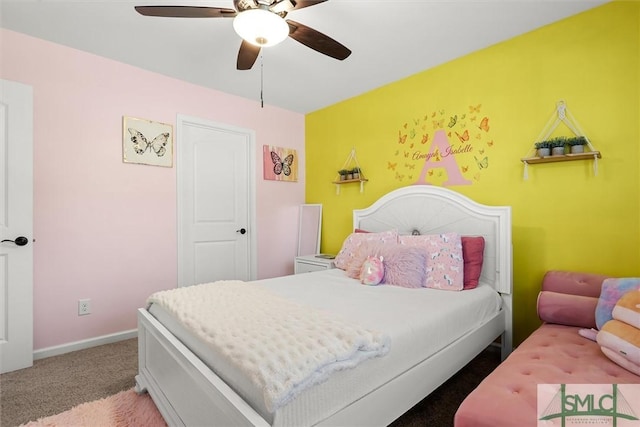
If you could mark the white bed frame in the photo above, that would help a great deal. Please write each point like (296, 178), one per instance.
(188, 393)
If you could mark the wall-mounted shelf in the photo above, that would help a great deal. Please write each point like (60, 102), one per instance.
(349, 181)
(351, 160)
(562, 158)
(562, 115)
(338, 183)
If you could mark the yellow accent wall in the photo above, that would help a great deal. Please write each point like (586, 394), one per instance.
(564, 216)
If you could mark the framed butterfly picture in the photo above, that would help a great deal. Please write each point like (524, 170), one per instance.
(146, 142)
(279, 164)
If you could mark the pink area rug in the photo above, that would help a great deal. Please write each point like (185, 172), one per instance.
(125, 409)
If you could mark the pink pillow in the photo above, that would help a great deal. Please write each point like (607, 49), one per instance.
(403, 265)
(445, 267)
(473, 256)
(354, 240)
(364, 250)
(567, 309)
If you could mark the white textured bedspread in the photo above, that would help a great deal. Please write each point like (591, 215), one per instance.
(283, 346)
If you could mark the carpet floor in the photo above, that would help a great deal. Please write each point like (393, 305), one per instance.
(104, 376)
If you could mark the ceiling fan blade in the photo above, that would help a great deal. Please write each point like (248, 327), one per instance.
(317, 41)
(186, 11)
(247, 55)
(306, 3)
(289, 5)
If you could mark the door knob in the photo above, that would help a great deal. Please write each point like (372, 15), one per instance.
(20, 241)
(241, 231)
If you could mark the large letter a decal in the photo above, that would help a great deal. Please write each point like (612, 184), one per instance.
(448, 162)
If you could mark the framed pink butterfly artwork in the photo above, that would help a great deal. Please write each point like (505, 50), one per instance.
(279, 164)
(146, 142)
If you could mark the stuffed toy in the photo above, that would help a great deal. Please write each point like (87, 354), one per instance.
(619, 338)
(372, 270)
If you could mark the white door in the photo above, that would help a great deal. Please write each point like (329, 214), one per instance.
(216, 221)
(16, 225)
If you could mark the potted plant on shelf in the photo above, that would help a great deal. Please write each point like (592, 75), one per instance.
(343, 174)
(557, 145)
(356, 173)
(543, 148)
(577, 144)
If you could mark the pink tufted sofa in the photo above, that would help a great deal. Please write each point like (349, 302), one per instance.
(553, 354)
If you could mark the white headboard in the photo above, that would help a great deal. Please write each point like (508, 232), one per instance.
(428, 209)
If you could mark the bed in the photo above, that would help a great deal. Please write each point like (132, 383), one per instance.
(189, 388)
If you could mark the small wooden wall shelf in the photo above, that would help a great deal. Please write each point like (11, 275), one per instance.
(562, 158)
(348, 181)
(338, 183)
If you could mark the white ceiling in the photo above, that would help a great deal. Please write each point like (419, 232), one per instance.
(390, 40)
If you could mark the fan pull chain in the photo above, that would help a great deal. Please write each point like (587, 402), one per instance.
(261, 81)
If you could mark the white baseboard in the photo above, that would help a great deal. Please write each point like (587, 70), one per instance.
(81, 345)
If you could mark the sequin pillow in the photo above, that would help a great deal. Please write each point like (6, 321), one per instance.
(445, 266)
(354, 240)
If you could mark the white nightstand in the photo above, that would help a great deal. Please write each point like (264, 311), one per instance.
(308, 263)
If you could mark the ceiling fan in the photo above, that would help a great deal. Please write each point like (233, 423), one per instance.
(260, 23)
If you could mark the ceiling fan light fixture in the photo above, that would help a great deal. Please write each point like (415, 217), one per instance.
(261, 27)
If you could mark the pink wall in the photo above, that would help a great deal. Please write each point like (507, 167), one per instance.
(106, 230)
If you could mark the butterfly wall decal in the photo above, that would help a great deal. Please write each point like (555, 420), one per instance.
(281, 166)
(464, 137)
(391, 166)
(141, 144)
(482, 164)
(401, 138)
(475, 109)
(453, 120)
(484, 124)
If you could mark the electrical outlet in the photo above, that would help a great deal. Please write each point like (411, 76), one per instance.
(84, 307)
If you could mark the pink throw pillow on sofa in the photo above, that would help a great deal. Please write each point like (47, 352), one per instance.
(445, 266)
(473, 256)
(567, 309)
